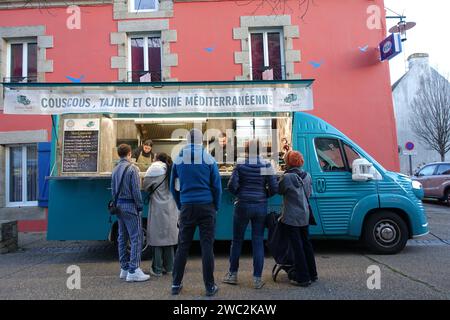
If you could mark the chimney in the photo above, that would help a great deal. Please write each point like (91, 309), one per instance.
(419, 60)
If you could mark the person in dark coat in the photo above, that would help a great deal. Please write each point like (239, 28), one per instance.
(196, 186)
(295, 217)
(252, 182)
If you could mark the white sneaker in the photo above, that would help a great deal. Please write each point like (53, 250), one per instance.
(123, 274)
(137, 276)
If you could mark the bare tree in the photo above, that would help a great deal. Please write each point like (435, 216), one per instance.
(279, 6)
(430, 116)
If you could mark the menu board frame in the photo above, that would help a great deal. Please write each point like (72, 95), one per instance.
(81, 125)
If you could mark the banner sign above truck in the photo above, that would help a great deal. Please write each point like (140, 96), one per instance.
(32, 101)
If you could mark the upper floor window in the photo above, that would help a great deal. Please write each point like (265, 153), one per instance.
(266, 55)
(145, 59)
(22, 61)
(144, 5)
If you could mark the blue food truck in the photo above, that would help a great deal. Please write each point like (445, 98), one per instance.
(354, 197)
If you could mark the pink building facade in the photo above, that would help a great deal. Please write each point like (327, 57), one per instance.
(333, 42)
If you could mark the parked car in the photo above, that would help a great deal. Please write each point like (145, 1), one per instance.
(435, 179)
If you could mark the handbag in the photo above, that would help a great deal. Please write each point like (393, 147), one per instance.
(112, 204)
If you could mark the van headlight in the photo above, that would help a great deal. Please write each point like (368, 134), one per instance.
(417, 189)
(416, 185)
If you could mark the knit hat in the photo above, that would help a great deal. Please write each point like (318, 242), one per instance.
(294, 159)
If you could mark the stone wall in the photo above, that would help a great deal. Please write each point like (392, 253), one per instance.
(8, 236)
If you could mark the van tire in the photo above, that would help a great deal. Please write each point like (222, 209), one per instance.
(385, 232)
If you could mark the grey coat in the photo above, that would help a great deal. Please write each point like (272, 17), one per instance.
(163, 214)
(295, 210)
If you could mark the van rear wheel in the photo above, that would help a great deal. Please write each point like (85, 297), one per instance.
(385, 232)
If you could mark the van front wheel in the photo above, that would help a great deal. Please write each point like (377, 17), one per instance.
(385, 232)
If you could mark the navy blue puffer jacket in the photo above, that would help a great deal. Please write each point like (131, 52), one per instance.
(253, 181)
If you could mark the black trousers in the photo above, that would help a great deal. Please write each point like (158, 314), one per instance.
(191, 216)
(304, 261)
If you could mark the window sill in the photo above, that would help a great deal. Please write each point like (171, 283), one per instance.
(143, 11)
(22, 204)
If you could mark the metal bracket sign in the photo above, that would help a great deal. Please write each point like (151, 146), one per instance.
(391, 47)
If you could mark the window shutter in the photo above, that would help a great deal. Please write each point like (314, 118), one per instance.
(44, 151)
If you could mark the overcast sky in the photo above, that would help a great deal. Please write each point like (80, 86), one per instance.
(431, 34)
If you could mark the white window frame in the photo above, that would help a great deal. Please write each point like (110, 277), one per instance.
(146, 64)
(265, 32)
(24, 178)
(131, 7)
(25, 43)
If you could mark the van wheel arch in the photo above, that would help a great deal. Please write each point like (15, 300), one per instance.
(391, 219)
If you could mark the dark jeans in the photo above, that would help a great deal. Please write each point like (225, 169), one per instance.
(191, 216)
(243, 214)
(304, 261)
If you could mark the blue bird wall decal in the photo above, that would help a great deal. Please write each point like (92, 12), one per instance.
(316, 64)
(364, 49)
(77, 80)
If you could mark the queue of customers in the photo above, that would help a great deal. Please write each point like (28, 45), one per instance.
(186, 193)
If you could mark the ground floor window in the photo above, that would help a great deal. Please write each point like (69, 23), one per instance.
(21, 175)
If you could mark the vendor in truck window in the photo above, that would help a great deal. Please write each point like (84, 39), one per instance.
(331, 155)
(144, 155)
(219, 150)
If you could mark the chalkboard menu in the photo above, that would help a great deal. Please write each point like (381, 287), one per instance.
(80, 146)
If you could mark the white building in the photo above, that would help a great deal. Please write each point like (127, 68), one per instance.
(404, 91)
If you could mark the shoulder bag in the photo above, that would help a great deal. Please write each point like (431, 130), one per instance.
(112, 204)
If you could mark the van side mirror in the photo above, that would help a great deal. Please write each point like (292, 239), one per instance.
(362, 170)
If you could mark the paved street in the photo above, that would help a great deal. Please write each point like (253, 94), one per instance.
(421, 271)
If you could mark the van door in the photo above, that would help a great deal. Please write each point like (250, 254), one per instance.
(335, 193)
(302, 146)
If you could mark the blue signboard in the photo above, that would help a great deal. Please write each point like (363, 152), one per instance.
(390, 47)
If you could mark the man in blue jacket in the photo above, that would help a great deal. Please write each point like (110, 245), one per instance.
(252, 182)
(196, 186)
